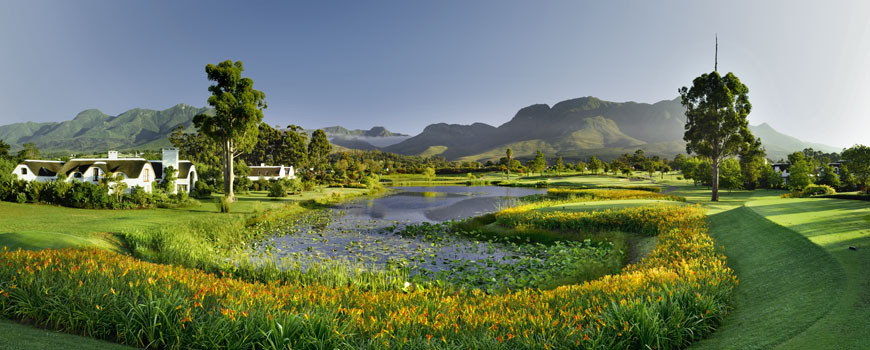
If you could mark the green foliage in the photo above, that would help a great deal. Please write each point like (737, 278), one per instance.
(29, 152)
(828, 177)
(716, 125)
(594, 165)
(817, 190)
(730, 174)
(538, 164)
(800, 174)
(223, 204)
(858, 159)
(238, 112)
(318, 150)
(169, 177)
(277, 147)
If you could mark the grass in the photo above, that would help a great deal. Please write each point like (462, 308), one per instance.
(833, 225)
(37, 226)
(27, 337)
(604, 205)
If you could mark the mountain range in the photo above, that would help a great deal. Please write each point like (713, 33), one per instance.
(574, 129)
(577, 129)
(94, 131)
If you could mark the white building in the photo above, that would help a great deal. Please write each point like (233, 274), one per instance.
(134, 171)
(271, 172)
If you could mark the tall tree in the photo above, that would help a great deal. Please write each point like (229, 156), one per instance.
(858, 159)
(318, 150)
(716, 125)
(509, 153)
(559, 165)
(238, 113)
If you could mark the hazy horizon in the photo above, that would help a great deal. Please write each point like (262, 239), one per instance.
(406, 65)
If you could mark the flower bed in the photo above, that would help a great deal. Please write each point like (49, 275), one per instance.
(678, 294)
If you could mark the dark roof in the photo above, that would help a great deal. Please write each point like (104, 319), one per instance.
(130, 167)
(158, 168)
(184, 167)
(182, 172)
(265, 171)
(43, 167)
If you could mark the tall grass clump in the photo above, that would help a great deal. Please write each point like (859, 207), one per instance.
(223, 204)
(676, 295)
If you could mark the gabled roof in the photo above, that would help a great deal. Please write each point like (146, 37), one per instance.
(43, 167)
(265, 171)
(184, 167)
(131, 167)
(158, 168)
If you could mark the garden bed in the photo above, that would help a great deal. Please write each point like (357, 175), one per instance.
(679, 293)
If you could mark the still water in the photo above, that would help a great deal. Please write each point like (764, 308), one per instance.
(364, 231)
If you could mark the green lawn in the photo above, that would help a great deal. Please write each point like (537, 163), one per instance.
(38, 226)
(17, 336)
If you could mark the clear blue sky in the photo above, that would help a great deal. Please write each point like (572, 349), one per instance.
(406, 64)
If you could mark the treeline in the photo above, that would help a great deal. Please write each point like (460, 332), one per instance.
(849, 171)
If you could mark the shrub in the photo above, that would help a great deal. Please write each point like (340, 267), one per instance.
(21, 198)
(277, 188)
(815, 190)
(201, 189)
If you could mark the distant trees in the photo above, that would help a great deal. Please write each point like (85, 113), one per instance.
(558, 165)
(537, 164)
(858, 160)
(4, 149)
(279, 147)
(594, 165)
(29, 152)
(716, 125)
(827, 176)
(580, 166)
(238, 113)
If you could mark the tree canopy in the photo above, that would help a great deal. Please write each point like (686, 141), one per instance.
(858, 160)
(238, 113)
(716, 124)
(318, 150)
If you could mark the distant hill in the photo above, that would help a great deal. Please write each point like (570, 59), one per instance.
(577, 129)
(94, 131)
(373, 138)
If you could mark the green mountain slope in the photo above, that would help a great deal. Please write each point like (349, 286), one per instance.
(92, 130)
(579, 128)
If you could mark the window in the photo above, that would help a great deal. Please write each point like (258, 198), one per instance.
(23, 171)
(96, 174)
(77, 175)
(146, 179)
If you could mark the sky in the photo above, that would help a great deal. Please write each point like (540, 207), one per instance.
(407, 64)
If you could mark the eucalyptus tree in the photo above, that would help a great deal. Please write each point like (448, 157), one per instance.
(238, 113)
(318, 151)
(716, 124)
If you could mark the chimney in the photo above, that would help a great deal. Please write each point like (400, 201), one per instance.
(113, 154)
(170, 158)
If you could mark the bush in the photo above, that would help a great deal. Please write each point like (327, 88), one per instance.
(201, 189)
(815, 190)
(277, 189)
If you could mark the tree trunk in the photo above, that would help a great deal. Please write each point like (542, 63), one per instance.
(230, 175)
(225, 167)
(715, 180)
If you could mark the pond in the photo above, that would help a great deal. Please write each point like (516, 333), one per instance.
(403, 230)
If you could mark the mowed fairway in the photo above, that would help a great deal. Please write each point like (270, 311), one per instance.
(834, 225)
(18, 336)
(38, 226)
